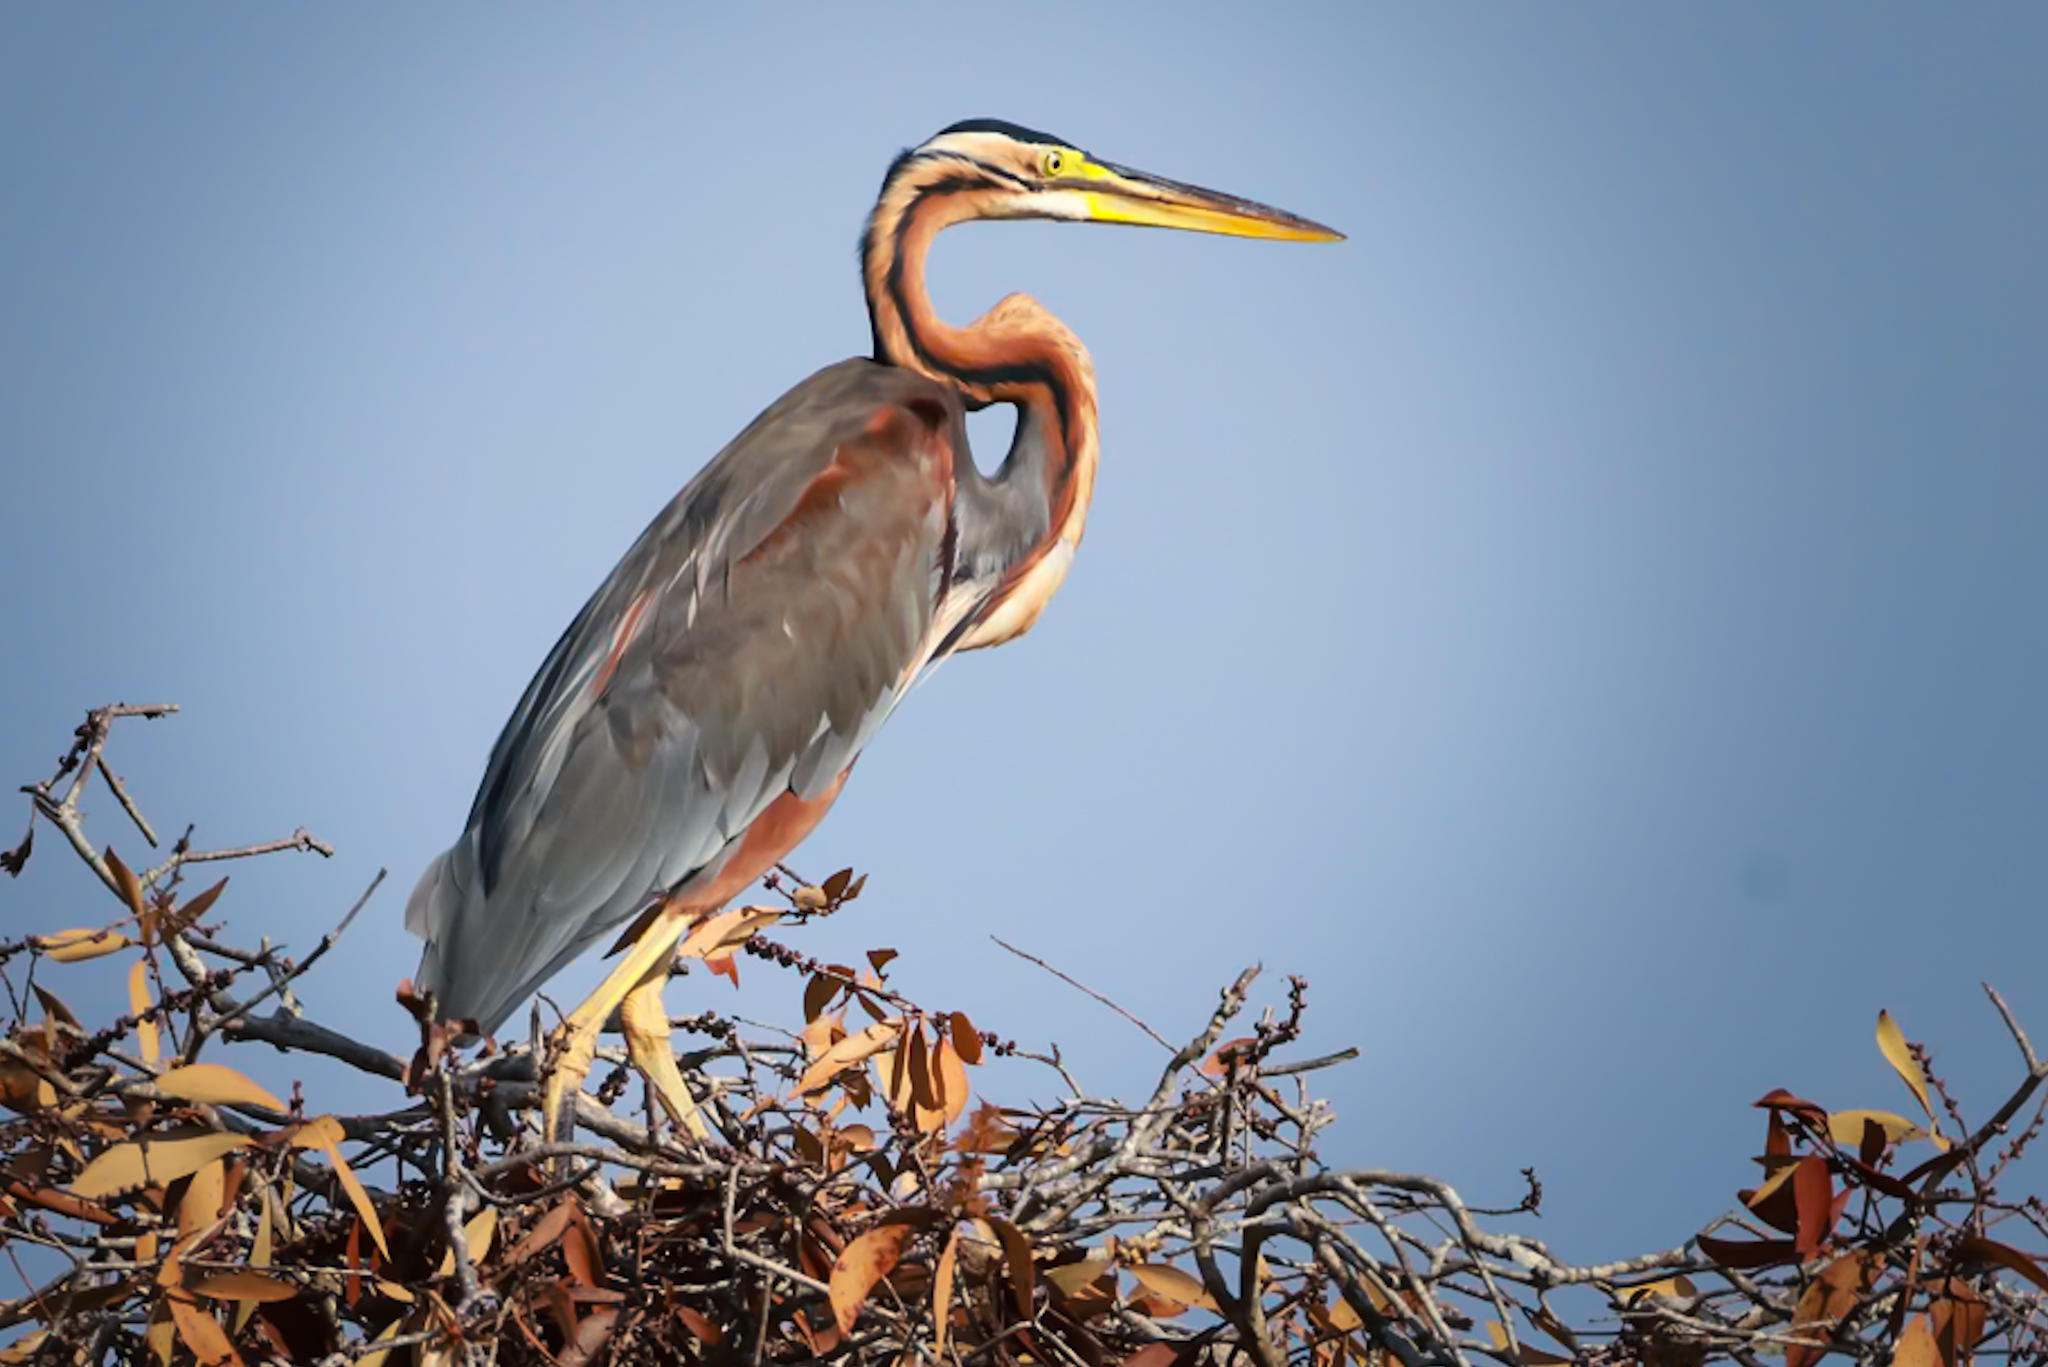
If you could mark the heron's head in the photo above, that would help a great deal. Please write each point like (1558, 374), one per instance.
(998, 170)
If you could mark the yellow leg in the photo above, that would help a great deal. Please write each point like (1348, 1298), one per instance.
(576, 1040)
(644, 1018)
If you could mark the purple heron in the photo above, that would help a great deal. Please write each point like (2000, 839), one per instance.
(702, 712)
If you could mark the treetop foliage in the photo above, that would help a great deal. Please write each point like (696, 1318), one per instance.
(858, 1199)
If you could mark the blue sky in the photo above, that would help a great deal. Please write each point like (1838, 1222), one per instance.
(1593, 623)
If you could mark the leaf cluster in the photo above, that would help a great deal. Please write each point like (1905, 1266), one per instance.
(858, 1199)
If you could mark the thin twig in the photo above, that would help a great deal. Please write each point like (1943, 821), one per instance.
(1033, 958)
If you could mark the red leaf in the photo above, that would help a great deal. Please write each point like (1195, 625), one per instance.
(705, 1331)
(1991, 1251)
(1814, 1193)
(1748, 1253)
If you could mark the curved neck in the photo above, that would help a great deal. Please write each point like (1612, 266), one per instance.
(1017, 353)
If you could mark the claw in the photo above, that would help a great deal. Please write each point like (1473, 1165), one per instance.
(633, 989)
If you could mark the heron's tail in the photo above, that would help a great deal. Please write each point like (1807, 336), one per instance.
(434, 914)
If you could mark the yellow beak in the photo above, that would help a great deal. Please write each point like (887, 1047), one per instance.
(1117, 194)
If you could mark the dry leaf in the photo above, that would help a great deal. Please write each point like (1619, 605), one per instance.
(325, 1133)
(478, 1233)
(966, 1039)
(1828, 1297)
(215, 1084)
(204, 1197)
(1846, 1127)
(1531, 1357)
(952, 1080)
(127, 884)
(1916, 1347)
(1175, 1285)
(1017, 1256)
(849, 1051)
(864, 1262)
(1991, 1251)
(727, 930)
(1891, 1041)
(248, 1287)
(942, 1294)
(154, 1160)
(138, 1002)
(77, 946)
(200, 1330)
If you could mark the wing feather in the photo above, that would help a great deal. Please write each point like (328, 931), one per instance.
(751, 641)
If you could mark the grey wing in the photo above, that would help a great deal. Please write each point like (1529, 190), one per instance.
(747, 645)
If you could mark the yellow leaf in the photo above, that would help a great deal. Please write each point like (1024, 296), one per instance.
(860, 1265)
(1673, 1288)
(727, 930)
(215, 1084)
(162, 1334)
(1175, 1285)
(1891, 1041)
(393, 1291)
(411, 1324)
(77, 946)
(138, 1002)
(259, 1256)
(200, 1330)
(477, 1234)
(155, 1160)
(325, 1133)
(249, 1288)
(205, 1194)
(1846, 1127)
(1073, 1277)
(127, 883)
(23, 1348)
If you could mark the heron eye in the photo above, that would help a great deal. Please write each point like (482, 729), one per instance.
(1054, 163)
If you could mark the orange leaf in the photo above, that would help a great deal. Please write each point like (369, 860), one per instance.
(1916, 1347)
(818, 994)
(1814, 1193)
(1827, 1298)
(864, 1262)
(701, 1328)
(580, 1249)
(849, 1051)
(952, 1078)
(246, 1286)
(1017, 1255)
(942, 1294)
(966, 1039)
(1958, 1320)
(127, 885)
(1218, 1063)
(724, 967)
(200, 903)
(201, 1332)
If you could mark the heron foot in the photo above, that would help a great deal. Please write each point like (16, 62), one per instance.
(644, 1018)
